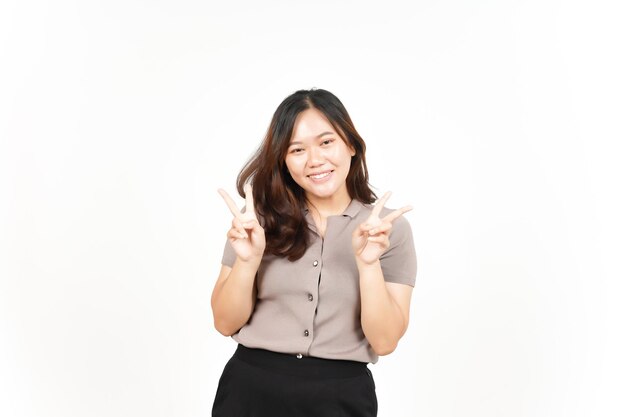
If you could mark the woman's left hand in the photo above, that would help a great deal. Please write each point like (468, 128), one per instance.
(371, 238)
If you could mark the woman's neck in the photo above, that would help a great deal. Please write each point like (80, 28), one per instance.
(327, 207)
(321, 209)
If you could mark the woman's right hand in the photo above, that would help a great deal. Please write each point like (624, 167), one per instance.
(246, 235)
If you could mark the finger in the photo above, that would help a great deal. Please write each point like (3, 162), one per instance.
(382, 240)
(250, 224)
(238, 225)
(257, 233)
(365, 228)
(247, 189)
(396, 213)
(379, 204)
(359, 231)
(235, 234)
(230, 203)
(383, 228)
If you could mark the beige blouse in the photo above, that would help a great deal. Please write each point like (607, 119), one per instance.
(312, 306)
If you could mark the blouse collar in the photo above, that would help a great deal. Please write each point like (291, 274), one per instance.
(351, 211)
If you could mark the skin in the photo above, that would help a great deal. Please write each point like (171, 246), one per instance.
(317, 149)
(318, 160)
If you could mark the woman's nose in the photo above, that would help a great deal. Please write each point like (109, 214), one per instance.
(315, 157)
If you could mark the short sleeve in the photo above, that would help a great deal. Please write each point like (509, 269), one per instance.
(399, 262)
(229, 256)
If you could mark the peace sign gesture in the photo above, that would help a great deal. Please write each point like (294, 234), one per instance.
(371, 238)
(246, 235)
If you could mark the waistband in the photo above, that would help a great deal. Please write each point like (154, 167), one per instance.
(304, 366)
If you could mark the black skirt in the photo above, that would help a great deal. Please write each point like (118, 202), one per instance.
(261, 383)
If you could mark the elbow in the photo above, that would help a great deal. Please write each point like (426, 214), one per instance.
(226, 324)
(222, 324)
(224, 328)
(384, 347)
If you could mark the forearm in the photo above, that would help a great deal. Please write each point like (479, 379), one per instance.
(233, 300)
(381, 318)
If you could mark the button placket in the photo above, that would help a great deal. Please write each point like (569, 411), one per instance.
(315, 264)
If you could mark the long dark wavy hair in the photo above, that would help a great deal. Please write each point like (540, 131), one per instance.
(278, 199)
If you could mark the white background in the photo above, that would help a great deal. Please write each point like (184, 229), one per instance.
(499, 121)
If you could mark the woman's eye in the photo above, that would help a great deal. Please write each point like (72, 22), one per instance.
(296, 150)
(327, 141)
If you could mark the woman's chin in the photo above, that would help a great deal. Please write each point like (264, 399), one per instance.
(318, 194)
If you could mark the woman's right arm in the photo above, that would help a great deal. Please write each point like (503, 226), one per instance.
(234, 294)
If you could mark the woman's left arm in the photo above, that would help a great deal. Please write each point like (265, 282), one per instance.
(385, 305)
(384, 309)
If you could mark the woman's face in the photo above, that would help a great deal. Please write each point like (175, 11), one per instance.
(318, 159)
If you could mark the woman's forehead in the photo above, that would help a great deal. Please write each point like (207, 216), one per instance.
(311, 124)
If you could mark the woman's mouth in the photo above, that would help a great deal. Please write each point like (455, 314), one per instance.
(320, 176)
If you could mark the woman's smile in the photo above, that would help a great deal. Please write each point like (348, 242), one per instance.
(320, 177)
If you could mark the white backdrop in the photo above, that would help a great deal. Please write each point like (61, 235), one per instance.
(499, 121)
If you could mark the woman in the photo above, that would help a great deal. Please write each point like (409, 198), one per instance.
(315, 281)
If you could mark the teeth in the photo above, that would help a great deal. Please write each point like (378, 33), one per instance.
(318, 176)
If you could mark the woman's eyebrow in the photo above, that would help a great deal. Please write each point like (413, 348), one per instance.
(297, 142)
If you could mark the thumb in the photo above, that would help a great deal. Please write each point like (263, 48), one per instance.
(257, 230)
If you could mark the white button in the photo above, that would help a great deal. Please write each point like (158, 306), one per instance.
(299, 356)
(315, 263)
